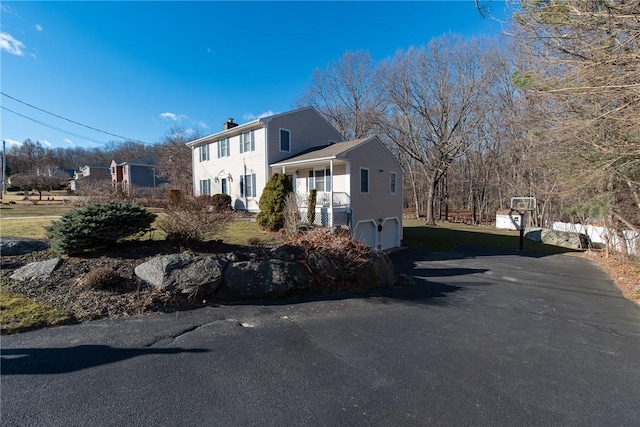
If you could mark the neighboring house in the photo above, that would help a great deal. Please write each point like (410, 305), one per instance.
(359, 183)
(140, 172)
(90, 174)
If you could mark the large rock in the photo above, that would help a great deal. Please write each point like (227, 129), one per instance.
(379, 272)
(190, 274)
(36, 270)
(267, 279)
(20, 246)
(565, 239)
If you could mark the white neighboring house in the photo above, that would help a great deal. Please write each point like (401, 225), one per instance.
(358, 183)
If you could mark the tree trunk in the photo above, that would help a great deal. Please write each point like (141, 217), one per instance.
(433, 184)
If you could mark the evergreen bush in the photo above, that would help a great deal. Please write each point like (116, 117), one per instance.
(272, 202)
(311, 206)
(97, 226)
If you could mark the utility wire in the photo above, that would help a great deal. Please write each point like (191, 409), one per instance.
(86, 138)
(71, 121)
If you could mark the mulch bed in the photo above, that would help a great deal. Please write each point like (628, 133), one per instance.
(130, 296)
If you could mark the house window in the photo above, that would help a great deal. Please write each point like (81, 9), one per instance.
(247, 142)
(320, 180)
(285, 140)
(223, 148)
(205, 187)
(364, 180)
(204, 152)
(248, 185)
(393, 183)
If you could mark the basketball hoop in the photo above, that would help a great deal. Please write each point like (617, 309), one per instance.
(522, 205)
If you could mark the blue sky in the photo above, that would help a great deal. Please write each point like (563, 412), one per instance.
(137, 69)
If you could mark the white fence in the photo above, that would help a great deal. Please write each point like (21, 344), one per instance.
(599, 234)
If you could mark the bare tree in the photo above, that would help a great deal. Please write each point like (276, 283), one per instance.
(582, 71)
(346, 94)
(432, 94)
(39, 182)
(174, 159)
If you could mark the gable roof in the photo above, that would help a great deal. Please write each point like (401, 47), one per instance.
(325, 152)
(254, 124)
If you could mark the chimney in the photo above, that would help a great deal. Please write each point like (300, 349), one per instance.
(229, 124)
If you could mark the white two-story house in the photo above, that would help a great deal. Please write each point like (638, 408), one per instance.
(358, 183)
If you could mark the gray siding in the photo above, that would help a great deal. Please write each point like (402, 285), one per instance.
(307, 128)
(379, 203)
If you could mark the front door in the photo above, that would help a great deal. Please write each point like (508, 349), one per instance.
(224, 187)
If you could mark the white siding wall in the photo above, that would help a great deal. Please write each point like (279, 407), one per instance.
(234, 165)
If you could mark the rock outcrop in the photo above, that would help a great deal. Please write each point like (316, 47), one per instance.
(565, 239)
(38, 270)
(286, 271)
(190, 274)
(19, 246)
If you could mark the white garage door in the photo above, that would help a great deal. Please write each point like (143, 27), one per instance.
(367, 233)
(390, 234)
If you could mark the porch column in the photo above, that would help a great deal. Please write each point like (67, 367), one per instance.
(331, 194)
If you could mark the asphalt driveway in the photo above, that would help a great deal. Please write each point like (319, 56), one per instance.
(482, 338)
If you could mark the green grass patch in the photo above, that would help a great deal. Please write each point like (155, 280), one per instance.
(20, 314)
(13, 211)
(240, 231)
(24, 227)
(445, 236)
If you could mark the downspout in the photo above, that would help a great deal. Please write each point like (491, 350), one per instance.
(193, 172)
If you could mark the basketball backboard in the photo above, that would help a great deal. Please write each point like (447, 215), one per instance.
(523, 204)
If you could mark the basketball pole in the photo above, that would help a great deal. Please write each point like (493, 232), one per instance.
(521, 246)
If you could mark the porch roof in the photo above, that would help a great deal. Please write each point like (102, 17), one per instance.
(324, 152)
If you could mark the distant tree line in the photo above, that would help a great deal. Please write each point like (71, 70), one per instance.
(549, 110)
(35, 166)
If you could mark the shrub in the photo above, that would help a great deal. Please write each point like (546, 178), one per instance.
(191, 222)
(291, 214)
(97, 226)
(101, 278)
(221, 202)
(253, 241)
(272, 201)
(174, 197)
(311, 206)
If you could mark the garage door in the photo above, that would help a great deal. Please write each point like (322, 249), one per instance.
(367, 233)
(390, 234)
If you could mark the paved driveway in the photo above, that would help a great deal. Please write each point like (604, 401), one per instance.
(480, 339)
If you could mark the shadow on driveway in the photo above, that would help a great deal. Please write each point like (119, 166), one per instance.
(40, 361)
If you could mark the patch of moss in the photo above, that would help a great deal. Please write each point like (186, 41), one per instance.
(18, 314)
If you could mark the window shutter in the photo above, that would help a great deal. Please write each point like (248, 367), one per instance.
(253, 142)
(241, 185)
(253, 185)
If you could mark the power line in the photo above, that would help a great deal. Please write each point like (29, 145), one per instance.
(71, 121)
(86, 138)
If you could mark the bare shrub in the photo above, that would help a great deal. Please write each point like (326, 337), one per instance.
(101, 278)
(253, 241)
(191, 222)
(291, 214)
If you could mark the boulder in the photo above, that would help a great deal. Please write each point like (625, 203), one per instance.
(20, 246)
(379, 272)
(565, 239)
(190, 274)
(263, 279)
(36, 270)
(288, 252)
